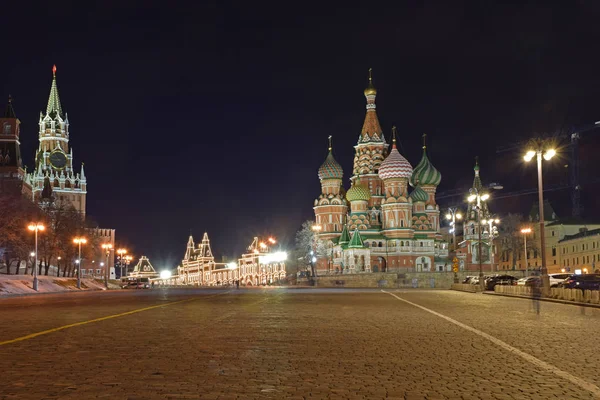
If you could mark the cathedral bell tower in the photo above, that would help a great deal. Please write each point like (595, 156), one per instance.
(54, 175)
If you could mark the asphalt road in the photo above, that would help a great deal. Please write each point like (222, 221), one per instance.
(295, 343)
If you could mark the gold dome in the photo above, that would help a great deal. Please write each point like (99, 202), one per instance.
(370, 90)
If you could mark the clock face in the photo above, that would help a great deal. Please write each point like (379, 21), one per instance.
(58, 159)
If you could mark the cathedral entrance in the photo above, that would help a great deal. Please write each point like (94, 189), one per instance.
(382, 263)
(423, 264)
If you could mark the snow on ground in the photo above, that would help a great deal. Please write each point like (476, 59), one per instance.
(23, 284)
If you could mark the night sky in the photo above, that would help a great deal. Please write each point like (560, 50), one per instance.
(215, 117)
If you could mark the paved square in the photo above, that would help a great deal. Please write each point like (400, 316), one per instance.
(293, 343)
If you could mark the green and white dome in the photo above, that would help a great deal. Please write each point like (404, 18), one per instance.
(425, 173)
(419, 194)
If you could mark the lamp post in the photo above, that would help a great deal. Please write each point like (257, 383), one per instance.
(121, 253)
(35, 227)
(539, 148)
(79, 241)
(525, 231)
(453, 215)
(128, 259)
(479, 198)
(492, 232)
(107, 247)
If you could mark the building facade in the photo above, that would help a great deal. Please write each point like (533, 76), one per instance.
(143, 269)
(54, 173)
(260, 266)
(569, 243)
(377, 225)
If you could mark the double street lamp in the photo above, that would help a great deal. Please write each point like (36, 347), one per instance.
(453, 215)
(121, 253)
(35, 227)
(79, 241)
(541, 148)
(107, 247)
(478, 198)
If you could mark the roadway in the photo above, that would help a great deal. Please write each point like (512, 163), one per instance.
(295, 343)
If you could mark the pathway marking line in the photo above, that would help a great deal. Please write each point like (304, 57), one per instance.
(590, 387)
(60, 328)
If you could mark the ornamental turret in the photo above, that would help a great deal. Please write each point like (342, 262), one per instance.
(471, 227)
(11, 168)
(331, 206)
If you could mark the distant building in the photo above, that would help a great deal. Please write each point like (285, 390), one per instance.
(11, 165)
(258, 267)
(570, 242)
(143, 269)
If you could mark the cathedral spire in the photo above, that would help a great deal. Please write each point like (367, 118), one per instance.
(54, 108)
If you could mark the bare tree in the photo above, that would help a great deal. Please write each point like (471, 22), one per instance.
(308, 245)
(511, 238)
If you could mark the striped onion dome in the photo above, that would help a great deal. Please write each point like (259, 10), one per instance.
(330, 169)
(425, 173)
(395, 166)
(419, 194)
(358, 192)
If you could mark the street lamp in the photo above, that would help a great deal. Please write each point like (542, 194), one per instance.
(492, 233)
(539, 148)
(121, 253)
(478, 197)
(525, 231)
(315, 228)
(35, 227)
(453, 215)
(107, 247)
(79, 241)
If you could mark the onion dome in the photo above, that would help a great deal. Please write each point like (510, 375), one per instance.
(395, 165)
(358, 192)
(330, 169)
(425, 173)
(419, 194)
(370, 90)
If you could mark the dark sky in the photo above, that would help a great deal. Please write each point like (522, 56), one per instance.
(214, 116)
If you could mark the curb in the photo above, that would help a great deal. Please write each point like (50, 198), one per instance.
(573, 303)
(11, 295)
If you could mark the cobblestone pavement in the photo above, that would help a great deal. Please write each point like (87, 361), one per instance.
(293, 343)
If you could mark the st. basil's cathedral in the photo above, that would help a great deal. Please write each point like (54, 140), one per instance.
(377, 225)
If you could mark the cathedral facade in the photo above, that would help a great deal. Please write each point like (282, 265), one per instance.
(378, 225)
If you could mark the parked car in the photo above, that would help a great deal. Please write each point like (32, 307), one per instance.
(492, 281)
(556, 279)
(468, 279)
(583, 282)
(527, 281)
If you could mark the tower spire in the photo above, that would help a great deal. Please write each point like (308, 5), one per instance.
(371, 130)
(330, 147)
(394, 130)
(54, 108)
(9, 112)
(424, 141)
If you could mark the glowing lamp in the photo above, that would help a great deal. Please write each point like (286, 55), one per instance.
(529, 155)
(485, 197)
(458, 216)
(165, 274)
(448, 216)
(471, 198)
(549, 154)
